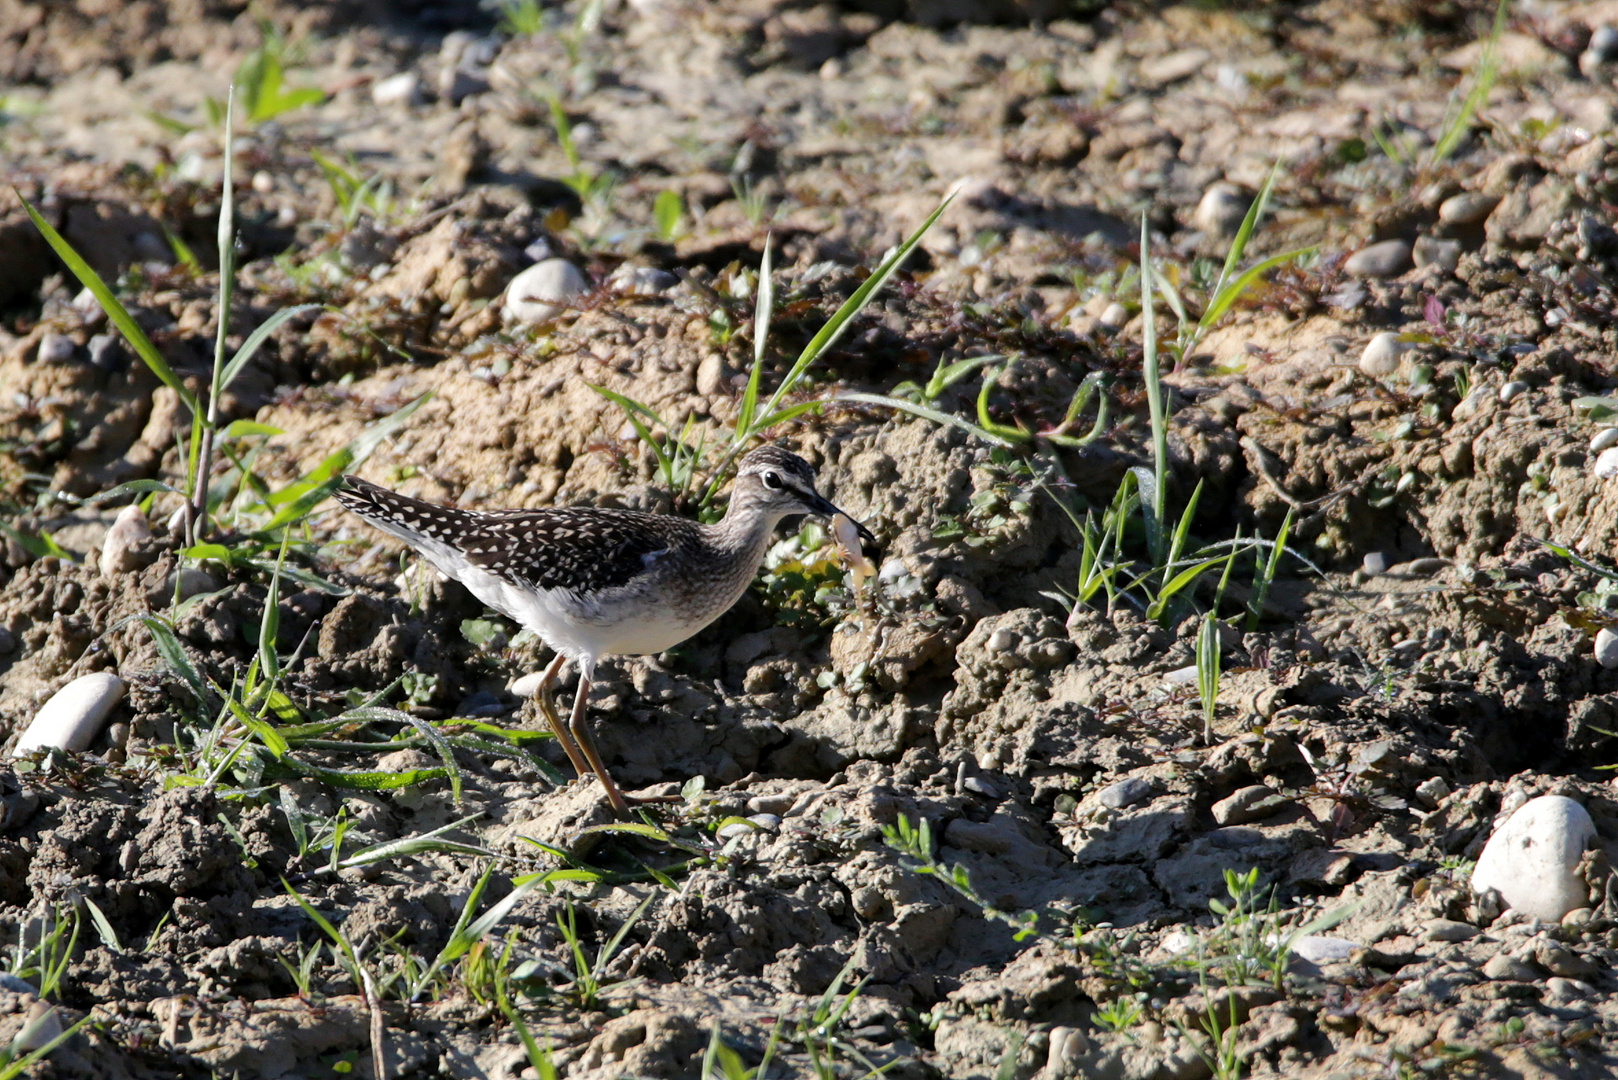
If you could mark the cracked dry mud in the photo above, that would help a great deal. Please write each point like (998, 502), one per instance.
(1434, 669)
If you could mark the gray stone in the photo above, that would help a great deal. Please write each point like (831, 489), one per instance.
(189, 581)
(1126, 792)
(1558, 959)
(544, 291)
(455, 85)
(73, 716)
(641, 281)
(1431, 791)
(106, 353)
(1532, 860)
(1323, 949)
(1375, 562)
(1467, 208)
(1431, 251)
(1503, 968)
(1247, 804)
(1448, 930)
(54, 349)
(1387, 259)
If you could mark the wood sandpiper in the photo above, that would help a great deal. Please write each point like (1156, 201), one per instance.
(594, 582)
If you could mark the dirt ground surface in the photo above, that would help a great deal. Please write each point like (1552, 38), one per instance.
(1421, 666)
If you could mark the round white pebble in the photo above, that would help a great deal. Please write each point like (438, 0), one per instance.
(544, 291)
(1605, 439)
(1606, 466)
(1381, 356)
(74, 715)
(1115, 316)
(1512, 391)
(528, 685)
(1607, 648)
(1531, 860)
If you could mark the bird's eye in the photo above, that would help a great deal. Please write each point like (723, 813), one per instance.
(772, 481)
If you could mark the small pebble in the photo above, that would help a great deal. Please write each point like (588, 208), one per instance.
(403, 89)
(641, 281)
(40, 1029)
(1606, 466)
(455, 85)
(734, 829)
(1114, 317)
(1221, 211)
(1605, 439)
(1251, 803)
(192, 581)
(1185, 676)
(54, 349)
(1503, 968)
(544, 291)
(979, 786)
(771, 804)
(1322, 949)
(1375, 562)
(1126, 792)
(1448, 930)
(73, 716)
(1467, 208)
(1381, 355)
(1431, 791)
(1606, 649)
(1512, 391)
(106, 353)
(767, 822)
(1003, 640)
(528, 685)
(121, 549)
(1431, 251)
(1390, 258)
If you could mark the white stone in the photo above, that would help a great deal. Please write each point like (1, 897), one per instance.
(1531, 859)
(1606, 466)
(1605, 439)
(544, 291)
(402, 89)
(1221, 211)
(73, 716)
(119, 553)
(1607, 648)
(1512, 391)
(1381, 356)
(641, 280)
(1114, 316)
(1181, 676)
(1323, 949)
(527, 685)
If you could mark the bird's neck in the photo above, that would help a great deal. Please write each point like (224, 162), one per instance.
(743, 533)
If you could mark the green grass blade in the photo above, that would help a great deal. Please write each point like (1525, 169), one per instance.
(174, 655)
(1227, 296)
(1154, 399)
(923, 411)
(1488, 71)
(839, 322)
(115, 310)
(1238, 246)
(227, 255)
(1266, 573)
(256, 340)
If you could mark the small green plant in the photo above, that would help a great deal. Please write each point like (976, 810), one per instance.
(589, 976)
(1120, 1014)
(261, 82)
(1461, 112)
(1208, 673)
(1249, 945)
(521, 18)
(668, 211)
(915, 842)
(593, 187)
(46, 960)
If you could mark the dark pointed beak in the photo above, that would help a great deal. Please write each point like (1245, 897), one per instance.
(825, 508)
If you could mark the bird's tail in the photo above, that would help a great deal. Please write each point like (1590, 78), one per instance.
(409, 519)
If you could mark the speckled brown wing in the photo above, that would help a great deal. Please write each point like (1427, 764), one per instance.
(583, 549)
